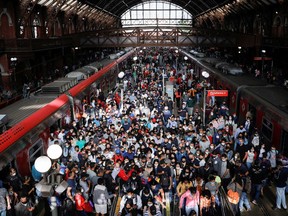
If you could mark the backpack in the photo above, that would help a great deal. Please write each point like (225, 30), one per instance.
(255, 141)
(165, 181)
(68, 205)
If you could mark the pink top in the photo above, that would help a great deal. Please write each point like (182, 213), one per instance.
(191, 200)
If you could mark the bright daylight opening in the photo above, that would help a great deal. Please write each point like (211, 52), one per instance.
(158, 13)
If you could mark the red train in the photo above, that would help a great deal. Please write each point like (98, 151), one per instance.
(28, 139)
(268, 104)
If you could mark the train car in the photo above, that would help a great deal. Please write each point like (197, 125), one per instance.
(267, 104)
(105, 79)
(270, 107)
(29, 138)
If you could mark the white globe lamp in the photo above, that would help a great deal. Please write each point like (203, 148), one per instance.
(135, 58)
(205, 74)
(185, 58)
(121, 75)
(43, 164)
(54, 151)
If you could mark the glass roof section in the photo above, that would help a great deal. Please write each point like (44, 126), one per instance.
(160, 13)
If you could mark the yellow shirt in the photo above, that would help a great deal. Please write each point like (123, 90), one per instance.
(182, 187)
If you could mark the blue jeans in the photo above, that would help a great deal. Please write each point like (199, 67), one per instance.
(256, 191)
(248, 164)
(182, 118)
(189, 210)
(3, 213)
(244, 201)
(280, 197)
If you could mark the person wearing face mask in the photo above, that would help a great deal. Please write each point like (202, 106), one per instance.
(5, 204)
(85, 184)
(250, 157)
(217, 136)
(24, 207)
(192, 201)
(81, 204)
(180, 155)
(66, 150)
(81, 141)
(183, 186)
(146, 197)
(152, 209)
(223, 170)
(101, 197)
(135, 183)
(177, 171)
(14, 180)
(241, 148)
(239, 130)
(272, 156)
(182, 112)
(134, 200)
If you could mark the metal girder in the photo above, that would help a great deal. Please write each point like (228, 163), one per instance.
(165, 36)
(26, 7)
(53, 11)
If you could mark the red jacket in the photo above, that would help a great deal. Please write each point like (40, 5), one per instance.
(122, 174)
(79, 202)
(117, 157)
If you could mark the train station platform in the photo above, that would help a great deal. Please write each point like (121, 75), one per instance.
(265, 204)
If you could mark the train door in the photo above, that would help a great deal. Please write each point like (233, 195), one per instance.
(284, 143)
(252, 112)
(267, 131)
(35, 151)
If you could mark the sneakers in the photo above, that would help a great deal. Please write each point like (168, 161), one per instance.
(254, 202)
(275, 208)
(243, 209)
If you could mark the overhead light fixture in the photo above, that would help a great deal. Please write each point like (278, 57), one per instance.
(54, 151)
(121, 75)
(205, 74)
(43, 164)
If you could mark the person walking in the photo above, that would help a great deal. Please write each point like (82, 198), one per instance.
(4, 200)
(101, 197)
(192, 201)
(234, 191)
(281, 175)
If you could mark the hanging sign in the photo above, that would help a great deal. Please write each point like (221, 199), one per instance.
(218, 93)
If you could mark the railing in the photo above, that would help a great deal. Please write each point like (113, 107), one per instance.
(114, 205)
(175, 210)
(19, 44)
(226, 208)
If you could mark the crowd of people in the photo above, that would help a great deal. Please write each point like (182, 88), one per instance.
(155, 152)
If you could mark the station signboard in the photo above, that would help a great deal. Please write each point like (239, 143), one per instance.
(218, 93)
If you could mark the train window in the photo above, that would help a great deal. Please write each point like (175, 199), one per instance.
(284, 141)
(252, 110)
(36, 151)
(267, 129)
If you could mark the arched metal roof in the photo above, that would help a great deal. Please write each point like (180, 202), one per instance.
(118, 7)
